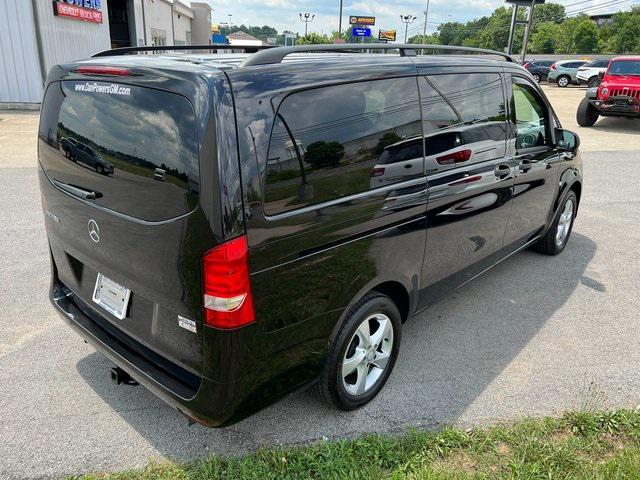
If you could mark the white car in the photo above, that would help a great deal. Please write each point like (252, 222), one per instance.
(588, 74)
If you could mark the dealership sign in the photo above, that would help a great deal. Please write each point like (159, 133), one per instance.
(361, 32)
(85, 10)
(357, 20)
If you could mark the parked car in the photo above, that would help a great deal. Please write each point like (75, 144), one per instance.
(222, 300)
(589, 73)
(78, 152)
(565, 72)
(539, 69)
(618, 94)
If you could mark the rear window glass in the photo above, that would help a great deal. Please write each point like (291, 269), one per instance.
(134, 147)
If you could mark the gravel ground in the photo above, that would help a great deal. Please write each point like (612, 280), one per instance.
(534, 336)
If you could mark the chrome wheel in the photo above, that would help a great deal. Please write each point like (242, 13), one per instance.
(564, 223)
(563, 81)
(537, 78)
(368, 354)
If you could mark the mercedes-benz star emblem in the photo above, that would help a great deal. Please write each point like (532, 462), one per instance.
(94, 230)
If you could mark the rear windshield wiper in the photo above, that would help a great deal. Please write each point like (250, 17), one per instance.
(77, 191)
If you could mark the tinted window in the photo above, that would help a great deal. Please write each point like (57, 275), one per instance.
(336, 141)
(529, 116)
(625, 67)
(462, 113)
(128, 132)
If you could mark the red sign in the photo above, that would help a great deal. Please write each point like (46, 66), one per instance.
(78, 13)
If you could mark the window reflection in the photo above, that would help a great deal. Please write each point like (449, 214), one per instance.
(464, 119)
(336, 141)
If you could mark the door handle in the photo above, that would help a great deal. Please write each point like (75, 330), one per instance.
(408, 165)
(502, 171)
(525, 165)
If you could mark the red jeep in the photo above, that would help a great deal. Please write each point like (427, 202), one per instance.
(618, 94)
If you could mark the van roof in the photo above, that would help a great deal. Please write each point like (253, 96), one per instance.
(259, 56)
(223, 61)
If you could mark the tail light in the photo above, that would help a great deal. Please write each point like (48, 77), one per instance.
(527, 65)
(456, 157)
(103, 70)
(227, 291)
(553, 67)
(377, 172)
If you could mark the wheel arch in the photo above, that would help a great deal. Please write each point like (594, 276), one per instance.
(402, 292)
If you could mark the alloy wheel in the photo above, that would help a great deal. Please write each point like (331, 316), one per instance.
(564, 223)
(563, 81)
(368, 354)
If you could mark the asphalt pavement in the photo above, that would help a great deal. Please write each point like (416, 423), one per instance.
(535, 336)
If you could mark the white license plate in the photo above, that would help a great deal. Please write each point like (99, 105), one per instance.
(111, 296)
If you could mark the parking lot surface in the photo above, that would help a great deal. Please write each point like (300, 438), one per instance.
(535, 336)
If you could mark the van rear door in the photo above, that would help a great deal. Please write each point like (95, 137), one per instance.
(126, 240)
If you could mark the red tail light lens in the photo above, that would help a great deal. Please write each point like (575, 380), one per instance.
(456, 157)
(103, 70)
(553, 67)
(227, 291)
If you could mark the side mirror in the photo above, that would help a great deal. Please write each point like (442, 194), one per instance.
(601, 75)
(567, 141)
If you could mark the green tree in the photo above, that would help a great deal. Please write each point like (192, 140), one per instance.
(313, 38)
(387, 139)
(324, 154)
(548, 12)
(426, 40)
(545, 38)
(585, 37)
(625, 31)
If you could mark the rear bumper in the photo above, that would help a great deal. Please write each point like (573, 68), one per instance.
(205, 401)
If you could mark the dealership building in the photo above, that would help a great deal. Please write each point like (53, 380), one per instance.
(38, 34)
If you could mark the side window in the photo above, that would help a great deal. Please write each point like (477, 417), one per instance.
(336, 141)
(464, 119)
(529, 116)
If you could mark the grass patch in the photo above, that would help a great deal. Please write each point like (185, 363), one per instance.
(600, 445)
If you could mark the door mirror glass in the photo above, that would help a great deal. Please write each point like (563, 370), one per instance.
(567, 141)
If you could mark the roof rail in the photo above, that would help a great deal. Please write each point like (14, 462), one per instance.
(277, 54)
(169, 48)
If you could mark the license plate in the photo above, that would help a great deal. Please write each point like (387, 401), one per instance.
(111, 296)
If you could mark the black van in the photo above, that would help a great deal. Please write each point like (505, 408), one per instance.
(265, 256)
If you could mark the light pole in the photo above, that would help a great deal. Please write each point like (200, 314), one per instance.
(306, 18)
(340, 21)
(407, 19)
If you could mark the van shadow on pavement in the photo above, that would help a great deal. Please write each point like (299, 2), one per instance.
(450, 354)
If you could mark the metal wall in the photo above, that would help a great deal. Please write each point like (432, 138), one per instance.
(20, 76)
(65, 39)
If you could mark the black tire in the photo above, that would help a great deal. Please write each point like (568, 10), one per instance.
(587, 115)
(560, 81)
(548, 244)
(100, 170)
(593, 81)
(330, 388)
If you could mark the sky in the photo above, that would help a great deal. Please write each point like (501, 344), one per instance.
(283, 14)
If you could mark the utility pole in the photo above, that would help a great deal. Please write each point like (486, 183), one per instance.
(340, 21)
(426, 15)
(407, 19)
(306, 18)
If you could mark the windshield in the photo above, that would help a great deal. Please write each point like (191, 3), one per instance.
(625, 67)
